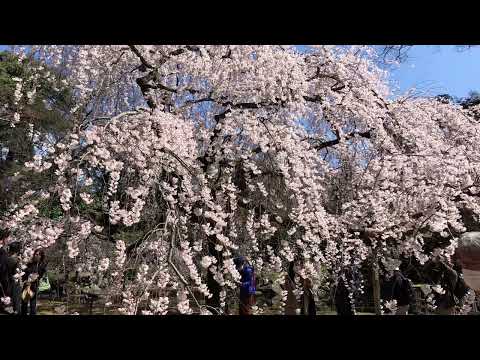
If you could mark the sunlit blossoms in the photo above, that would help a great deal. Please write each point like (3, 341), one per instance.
(189, 156)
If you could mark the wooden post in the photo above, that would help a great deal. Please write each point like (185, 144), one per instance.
(376, 285)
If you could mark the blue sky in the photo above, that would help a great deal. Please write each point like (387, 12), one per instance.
(440, 69)
(437, 70)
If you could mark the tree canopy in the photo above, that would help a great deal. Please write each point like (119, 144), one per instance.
(180, 158)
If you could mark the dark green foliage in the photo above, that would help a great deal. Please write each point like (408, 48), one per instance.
(48, 113)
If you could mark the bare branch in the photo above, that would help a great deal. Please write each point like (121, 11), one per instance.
(326, 144)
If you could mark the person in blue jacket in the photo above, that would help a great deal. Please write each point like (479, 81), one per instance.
(247, 286)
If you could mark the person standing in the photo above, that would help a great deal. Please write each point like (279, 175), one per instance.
(343, 303)
(36, 268)
(308, 300)
(306, 305)
(443, 275)
(291, 305)
(248, 286)
(399, 288)
(15, 287)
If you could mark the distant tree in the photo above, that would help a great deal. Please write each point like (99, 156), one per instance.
(471, 100)
(445, 99)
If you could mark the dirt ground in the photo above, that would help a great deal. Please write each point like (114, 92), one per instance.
(49, 306)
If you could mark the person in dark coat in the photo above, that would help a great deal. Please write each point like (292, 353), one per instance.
(33, 273)
(343, 304)
(399, 288)
(439, 273)
(15, 287)
(306, 305)
(308, 300)
(461, 288)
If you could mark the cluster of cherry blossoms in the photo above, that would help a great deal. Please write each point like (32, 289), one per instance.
(259, 151)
